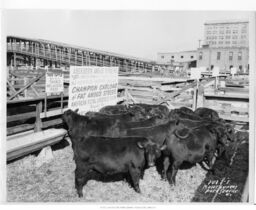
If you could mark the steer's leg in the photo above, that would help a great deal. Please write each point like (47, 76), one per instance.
(81, 178)
(135, 176)
(211, 159)
(172, 174)
(166, 165)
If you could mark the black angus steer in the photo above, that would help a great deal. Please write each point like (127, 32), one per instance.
(108, 156)
(114, 109)
(151, 110)
(207, 113)
(127, 116)
(158, 134)
(193, 146)
(180, 114)
(223, 131)
(186, 110)
(80, 126)
(153, 121)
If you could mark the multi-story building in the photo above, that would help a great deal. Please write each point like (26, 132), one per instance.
(184, 59)
(228, 33)
(226, 45)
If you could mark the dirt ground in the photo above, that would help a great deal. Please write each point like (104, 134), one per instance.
(54, 182)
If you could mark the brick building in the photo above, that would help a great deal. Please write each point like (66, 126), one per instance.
(226, 45)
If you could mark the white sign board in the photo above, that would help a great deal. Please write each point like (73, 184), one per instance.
(233, 71)
(92, 87)
(216, 72)
(195, 73)
(54, 82)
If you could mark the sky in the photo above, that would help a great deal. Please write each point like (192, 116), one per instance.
(139, 33)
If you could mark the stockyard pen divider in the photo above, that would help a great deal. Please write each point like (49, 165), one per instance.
(27, 85)
(32, 130)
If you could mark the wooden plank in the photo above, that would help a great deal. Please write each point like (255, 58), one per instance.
(234, 118)
(21, 146)
(19, 128)
(26, 86)
(52, 113)
(154, 79)
(235, 96)
(33, 100)
(23, 116)
(38, 123)
(54, 122)
(12, 88)
(229, 109)
(234, 90)
(174, 94)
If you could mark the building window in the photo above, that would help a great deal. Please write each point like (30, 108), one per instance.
(191, 56)
(200, 55)
(240, 67)
(181, 56)
(228, 31)
(234, 37)
(243, 31)
(162, 56)
(227, 42)
(234, 42)
(218, 55)
(220, 42)
(239, 56)
(230, 56)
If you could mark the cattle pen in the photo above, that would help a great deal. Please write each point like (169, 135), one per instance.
(40, 165)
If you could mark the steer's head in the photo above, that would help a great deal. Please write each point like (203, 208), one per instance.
(68, 116)
(152, 151)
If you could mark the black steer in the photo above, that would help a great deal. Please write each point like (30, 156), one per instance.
(79, 126)
(158, 134)
(108, 156)
(151, 110)
(207, 113)
(127, 116)
(153, 121)
(114, 109)
(193, 147)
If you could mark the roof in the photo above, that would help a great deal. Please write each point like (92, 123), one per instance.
(85, 49)
(188, 51)
(226, 21)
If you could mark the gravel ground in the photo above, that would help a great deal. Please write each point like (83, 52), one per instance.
(54, 182)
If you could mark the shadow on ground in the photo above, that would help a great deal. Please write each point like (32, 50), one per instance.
(227, 183)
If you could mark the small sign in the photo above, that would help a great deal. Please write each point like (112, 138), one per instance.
(216, 72)
(54, 82)
(92, 87)
(195, 73)
(233, 71)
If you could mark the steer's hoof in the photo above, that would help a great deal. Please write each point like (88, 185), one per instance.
(137, 190)
(80, 194)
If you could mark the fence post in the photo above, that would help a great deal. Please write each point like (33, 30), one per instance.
(26, 90)
(38, 123)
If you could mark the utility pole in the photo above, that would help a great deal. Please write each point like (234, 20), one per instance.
(199, 41)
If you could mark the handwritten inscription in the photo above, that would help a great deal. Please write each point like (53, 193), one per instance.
(220, 187)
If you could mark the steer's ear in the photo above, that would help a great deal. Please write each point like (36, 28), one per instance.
(177, 122)
(76, 110)
(141, 144)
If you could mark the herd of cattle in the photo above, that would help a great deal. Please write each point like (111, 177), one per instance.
(126, 140)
